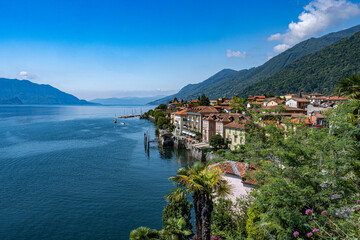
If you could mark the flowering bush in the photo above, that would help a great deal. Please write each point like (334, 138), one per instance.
(343, 225)
(216, 237)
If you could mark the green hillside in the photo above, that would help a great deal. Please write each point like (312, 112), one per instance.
(317, 72)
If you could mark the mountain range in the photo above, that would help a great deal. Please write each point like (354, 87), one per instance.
(227, 82)
(129, 101)
(14, 91)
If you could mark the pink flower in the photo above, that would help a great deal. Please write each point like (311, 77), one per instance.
(309, 234)
(308, 211)
(323, 212)
(357, 224)
(358, 201)
(296, 234)
(315, 230)
(356, 209)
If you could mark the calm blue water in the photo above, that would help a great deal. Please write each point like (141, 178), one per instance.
(68, 172)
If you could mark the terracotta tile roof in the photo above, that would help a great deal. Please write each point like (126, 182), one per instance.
(182, 112)
(236, 125)
(321, 98)
(209, 109)
(301, 99)
(337, 98)
(260, 97)
(194, 101)
(241, 170)
(317, 114)
(196, 109)
(174, 103)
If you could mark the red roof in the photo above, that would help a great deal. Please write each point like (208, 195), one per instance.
(261, 97)
(239, 169)
(203, 109)
(236, 125)
(182, 112)
(301, 100)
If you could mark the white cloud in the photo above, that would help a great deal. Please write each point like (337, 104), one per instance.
(231, 54)
(317, 16)
(26, 75)
(281, 47)
(23, 75)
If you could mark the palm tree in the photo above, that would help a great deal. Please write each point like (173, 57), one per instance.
(349, 87)
(204, 184)
(175, 229)
(144, 233)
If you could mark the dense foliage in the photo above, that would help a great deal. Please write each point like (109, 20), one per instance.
(317, 72)
(229, 218)
(177, 208)
(302, 168)
(217, 141)
(349, 87)
(204, 101)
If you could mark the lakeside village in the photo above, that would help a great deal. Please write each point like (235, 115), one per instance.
(202, 125)
(272, 167)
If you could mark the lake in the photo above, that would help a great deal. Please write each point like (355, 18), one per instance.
(69, 172)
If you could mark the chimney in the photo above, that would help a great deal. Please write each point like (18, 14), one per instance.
(247, 165)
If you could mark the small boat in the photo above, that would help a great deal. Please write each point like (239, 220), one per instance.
(122, 123)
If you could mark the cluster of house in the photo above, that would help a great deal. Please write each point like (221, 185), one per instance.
(222, 119)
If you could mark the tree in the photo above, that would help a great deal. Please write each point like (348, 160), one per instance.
(162, 122)
(144, 233)
(175, 100)
(176, 229)
(204, 184)
(178, 207)
(229, 218)
(217, 141)
(162, 107)
(204, 101)
(349, 87)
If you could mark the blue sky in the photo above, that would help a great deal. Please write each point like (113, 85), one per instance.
(143, 48)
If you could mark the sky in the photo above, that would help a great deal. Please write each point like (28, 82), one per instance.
(120, 48)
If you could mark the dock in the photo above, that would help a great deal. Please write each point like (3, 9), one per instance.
(130, 116)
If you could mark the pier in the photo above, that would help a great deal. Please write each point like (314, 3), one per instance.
(130, 116)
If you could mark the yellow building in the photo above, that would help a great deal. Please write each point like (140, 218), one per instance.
(235, 134)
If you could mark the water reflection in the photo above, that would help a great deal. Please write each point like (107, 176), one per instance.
(180, 156)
